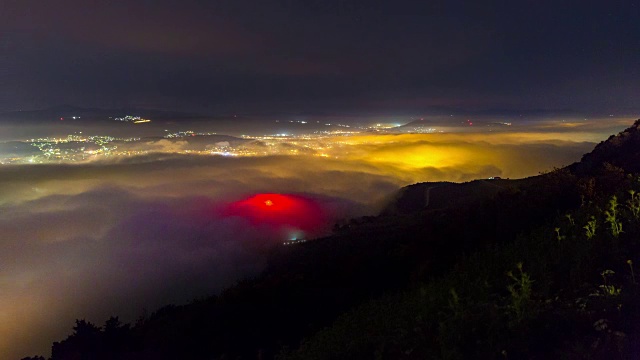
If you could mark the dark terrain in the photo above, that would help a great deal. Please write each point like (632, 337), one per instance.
(505, 269)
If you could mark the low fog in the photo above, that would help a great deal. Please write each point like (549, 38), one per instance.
(118, 236)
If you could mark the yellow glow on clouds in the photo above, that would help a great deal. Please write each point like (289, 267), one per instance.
(62, 247)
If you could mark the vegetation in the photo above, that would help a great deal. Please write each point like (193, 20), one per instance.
(579, 307)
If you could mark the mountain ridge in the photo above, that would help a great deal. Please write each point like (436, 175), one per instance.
(64, 111)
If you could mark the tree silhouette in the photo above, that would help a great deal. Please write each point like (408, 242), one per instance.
(116, 336)
(84, 343)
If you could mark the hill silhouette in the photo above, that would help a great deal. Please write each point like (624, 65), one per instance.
(530, 268)
(620, 150)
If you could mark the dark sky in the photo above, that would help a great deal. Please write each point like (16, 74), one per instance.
(331, 56)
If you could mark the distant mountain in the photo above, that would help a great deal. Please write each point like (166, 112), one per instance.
(422, 124)
(418, 123)
(69, 111)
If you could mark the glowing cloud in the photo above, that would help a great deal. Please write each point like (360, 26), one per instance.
(280, 211)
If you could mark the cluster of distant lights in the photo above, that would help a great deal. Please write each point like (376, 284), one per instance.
(317, 122)
(132, 119)
(179, 134)
(188, 133)
(295, 237)
(423, 130)
(294, 241)
(292, 121)
(51, 150)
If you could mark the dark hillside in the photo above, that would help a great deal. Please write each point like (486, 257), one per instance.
(440, 195)
(621, 150)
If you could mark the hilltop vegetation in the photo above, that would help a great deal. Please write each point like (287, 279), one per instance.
(544, 267)
(568, 289)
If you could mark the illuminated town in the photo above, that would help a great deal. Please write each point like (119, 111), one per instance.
(321, 139)
(80, 147)
(132, 119)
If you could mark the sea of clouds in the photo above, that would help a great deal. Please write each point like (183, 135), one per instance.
(116, 237)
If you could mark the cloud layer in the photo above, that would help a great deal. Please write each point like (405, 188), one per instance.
(105, 238)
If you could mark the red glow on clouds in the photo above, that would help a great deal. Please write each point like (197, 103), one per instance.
(280, 211)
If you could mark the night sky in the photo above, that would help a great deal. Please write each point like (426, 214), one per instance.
(329, 56)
